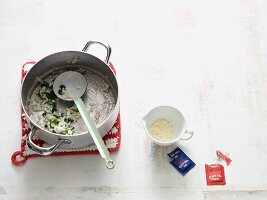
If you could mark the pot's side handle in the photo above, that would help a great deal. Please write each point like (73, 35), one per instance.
(108, 48)
(42, 150)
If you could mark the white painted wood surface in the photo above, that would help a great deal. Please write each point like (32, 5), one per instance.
(207, 58)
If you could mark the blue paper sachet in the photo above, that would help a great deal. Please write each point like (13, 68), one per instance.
(181, 161)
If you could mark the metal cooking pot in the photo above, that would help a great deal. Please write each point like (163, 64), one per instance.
(68, 60)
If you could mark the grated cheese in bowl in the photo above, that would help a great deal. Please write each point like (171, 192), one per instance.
(162, 130)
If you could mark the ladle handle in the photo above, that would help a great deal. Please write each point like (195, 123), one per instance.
(94, 133)
(108, 48)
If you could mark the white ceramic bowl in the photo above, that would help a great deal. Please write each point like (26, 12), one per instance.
(174, 116)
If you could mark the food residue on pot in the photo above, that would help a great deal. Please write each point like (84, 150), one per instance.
(44, 108)
(63, 93)
(162, 130)
(62, 89)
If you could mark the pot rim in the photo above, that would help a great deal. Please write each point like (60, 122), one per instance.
(82, 133)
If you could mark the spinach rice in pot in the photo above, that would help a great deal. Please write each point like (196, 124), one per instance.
(44, 108)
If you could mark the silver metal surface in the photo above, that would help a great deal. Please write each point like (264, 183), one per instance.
(74, 85)
(43, 150)
(110, 164)
(69, 60)
(108, 48)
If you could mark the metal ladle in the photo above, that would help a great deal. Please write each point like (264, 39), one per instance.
(70, 86)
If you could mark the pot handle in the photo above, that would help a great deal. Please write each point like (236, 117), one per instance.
(42, 150)
(108, 48)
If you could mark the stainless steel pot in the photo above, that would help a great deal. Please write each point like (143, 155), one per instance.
(67, 60)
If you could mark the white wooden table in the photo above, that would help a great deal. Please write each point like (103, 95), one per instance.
(207, 58)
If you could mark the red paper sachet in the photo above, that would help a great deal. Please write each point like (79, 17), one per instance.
(215, 174)
(224, 157)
